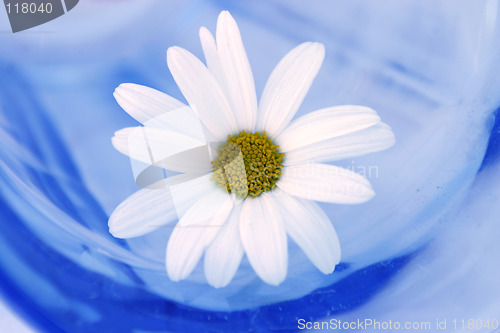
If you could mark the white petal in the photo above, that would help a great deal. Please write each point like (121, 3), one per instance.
(372, 139)
(288, 85)
(158, 144)
(160, 203)
(310, 228)
(183, 120)
(328, 183)
(211, 56)
(187, 189)
(236, 69)
(325, 124)
(142, 212)
(224, 254)
(202, 91)
(264, 238)
(121, 142)
(194, 232)
(144, 103)
(195, 160)
(168, 149)
(155, 109)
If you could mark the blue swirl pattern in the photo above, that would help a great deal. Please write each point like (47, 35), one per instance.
(429, 69)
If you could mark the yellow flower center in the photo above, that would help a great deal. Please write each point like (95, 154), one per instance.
(247, 164)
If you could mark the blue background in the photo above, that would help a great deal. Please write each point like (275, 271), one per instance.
(426, 248)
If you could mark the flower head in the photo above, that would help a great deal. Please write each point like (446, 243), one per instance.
(249, 175)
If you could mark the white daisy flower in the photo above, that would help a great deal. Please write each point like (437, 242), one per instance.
(245, 194)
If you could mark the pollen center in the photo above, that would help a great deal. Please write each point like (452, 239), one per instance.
(247, 164)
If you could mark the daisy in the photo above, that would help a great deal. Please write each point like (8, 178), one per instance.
(248, 175)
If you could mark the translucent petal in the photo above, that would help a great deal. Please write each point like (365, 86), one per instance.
(187, 189)
(288, 85)
(264, 238)
(143, 212)
(211, 56)
(224, 254)
(240, 86)
(194, 232)
(325, 124)
(311, 229)
(163, 148)
(202, 91)
(372, 139)
(144, 103)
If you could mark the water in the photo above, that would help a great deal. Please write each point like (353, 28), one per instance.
(429, 70)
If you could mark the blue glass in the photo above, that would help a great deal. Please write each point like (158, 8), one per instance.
(423, 250)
